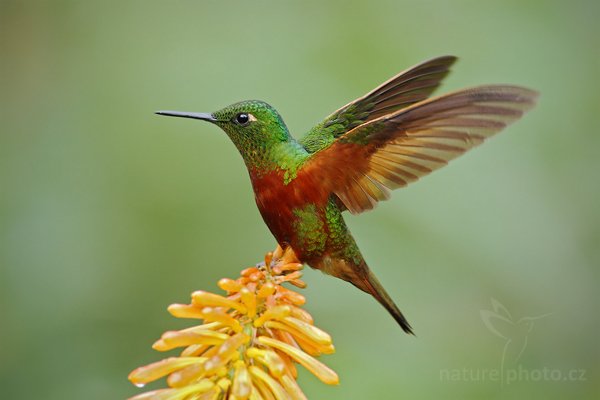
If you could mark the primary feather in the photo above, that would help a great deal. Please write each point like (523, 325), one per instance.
(408, 87)
(398, 148)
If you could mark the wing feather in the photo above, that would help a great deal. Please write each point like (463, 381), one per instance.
(397, 149)
(406, 88)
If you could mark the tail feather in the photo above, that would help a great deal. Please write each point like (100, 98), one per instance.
(371, 285)
(361, 276)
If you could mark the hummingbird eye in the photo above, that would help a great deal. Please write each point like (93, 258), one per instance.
(242, 119)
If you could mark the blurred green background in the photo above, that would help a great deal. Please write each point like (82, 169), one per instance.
(110, 213)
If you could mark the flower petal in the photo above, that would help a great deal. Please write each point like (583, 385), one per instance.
(173, 339)
(274, 386)
(242, 385)
(218, 315)
(226, 351)
(290, 366)
(154, 371)
(224, 384)
(293, 297)
(212, 394)
(266, 290)
(185, 311)
(175, 394)
(288, 277)
(249, 271)
(309, 330)
(301, 314)
(229, 285)
(269, 359)
(201, 298)
(261, 390)
(194, 350)
(268, 259)
(300, 340)
(291, 386)
(293, 266)
(277, 312)
(299, 283)
(289, 256)
(186, 375)
(277, 253)
(249, 300)
(320, 370)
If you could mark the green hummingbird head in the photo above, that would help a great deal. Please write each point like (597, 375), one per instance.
(253, 126)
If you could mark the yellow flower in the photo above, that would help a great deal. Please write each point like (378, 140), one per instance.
(249, 343)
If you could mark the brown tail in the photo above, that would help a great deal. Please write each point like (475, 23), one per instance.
(371, 285)
(362, 277)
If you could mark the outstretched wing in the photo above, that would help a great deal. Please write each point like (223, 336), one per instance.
(406, 88)
(364, 164)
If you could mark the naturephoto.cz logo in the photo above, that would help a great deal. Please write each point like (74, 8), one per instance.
(515, 334)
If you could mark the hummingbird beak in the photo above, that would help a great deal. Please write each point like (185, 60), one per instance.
(203, 116)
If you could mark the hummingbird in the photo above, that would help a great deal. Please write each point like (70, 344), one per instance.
(384, 140)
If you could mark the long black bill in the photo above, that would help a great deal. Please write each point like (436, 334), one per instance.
(203, 116)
